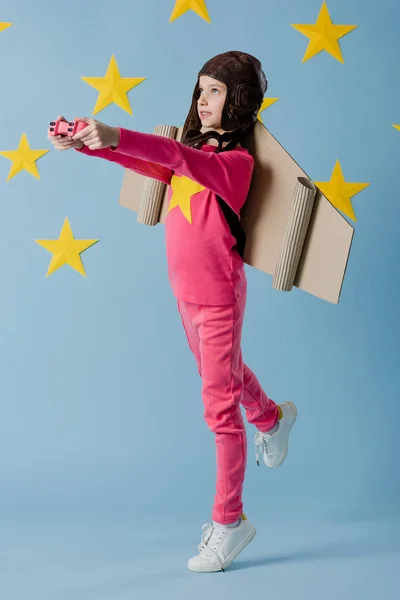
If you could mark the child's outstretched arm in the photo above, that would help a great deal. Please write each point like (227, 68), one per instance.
(143, 167)
(86, 140)
(227, 174)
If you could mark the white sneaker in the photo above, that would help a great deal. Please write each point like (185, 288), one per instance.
(220, 545)
(274, 445)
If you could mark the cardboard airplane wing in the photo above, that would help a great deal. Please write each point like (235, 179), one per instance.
(293, 232)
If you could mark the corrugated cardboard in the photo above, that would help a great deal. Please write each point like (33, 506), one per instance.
(283, 209)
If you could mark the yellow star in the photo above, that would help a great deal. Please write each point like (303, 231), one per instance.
(4, 26)
(66, 250)
(396, 127)
(183, 190)
(113, 88)
(23, 158)
(267, 102)
(182, 6)
(338, 191)
(324, 35)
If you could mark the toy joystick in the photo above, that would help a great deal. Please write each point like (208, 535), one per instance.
(66, 128)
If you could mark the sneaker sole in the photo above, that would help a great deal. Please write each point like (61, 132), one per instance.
(231, 558)
(293, 421)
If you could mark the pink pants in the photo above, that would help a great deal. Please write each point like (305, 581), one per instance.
(214, 335)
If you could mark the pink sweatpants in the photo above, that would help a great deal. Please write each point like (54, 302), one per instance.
(214, 335)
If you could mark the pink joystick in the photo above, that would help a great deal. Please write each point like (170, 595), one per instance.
(68, 128)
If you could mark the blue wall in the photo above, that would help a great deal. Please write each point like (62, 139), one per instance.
(100, 396)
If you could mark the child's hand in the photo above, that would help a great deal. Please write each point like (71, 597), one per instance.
(63, 142)
(97, 135)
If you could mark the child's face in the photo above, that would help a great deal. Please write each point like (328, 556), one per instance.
(211, 102)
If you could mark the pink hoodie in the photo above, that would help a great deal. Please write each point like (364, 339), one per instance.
(203, 267)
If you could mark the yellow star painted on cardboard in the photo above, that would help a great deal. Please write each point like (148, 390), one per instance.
(324, 35)
(396, 127)
(267, 102)
(4, 25)
(339, 192)
(183, 189)
(183, 6)
(113, 88)
(66, 250)
(23, 158)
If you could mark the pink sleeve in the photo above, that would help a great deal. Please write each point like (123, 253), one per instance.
(143, 167)
(227, 174)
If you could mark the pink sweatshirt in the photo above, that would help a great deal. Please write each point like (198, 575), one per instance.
(203, 267)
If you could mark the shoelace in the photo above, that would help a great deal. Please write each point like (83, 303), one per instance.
(210, 540)
(262, 441)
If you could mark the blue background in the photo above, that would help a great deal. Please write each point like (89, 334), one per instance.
(107, 468)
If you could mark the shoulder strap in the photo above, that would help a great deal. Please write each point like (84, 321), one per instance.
(230, 215)
(234, 225)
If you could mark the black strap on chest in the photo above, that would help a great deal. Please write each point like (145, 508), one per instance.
(234, 225)
(230, 215)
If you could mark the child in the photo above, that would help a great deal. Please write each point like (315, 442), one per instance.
(209, 174)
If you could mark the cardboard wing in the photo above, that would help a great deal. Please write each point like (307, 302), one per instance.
(293, 232)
